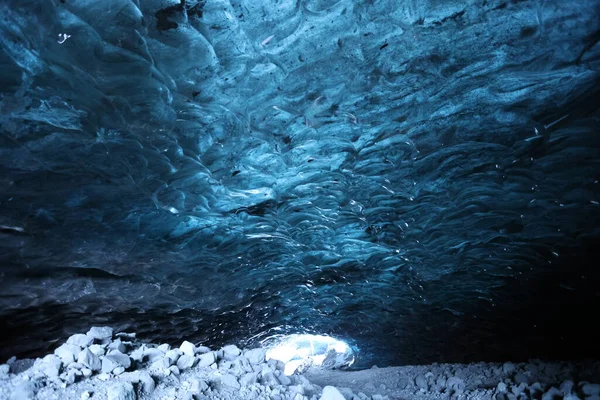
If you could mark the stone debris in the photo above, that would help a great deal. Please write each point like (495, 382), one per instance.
(100, 333)
(96, 366)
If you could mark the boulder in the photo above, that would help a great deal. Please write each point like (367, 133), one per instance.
(121, 391)
(97, 332)
(230, 381)
(206, 359)
(188, 348)
(255, 356)
(331, 393)
(67, 353)
(186, 362)
(81, 340)
(89, 359)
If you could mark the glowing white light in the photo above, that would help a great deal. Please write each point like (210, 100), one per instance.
(298, 352)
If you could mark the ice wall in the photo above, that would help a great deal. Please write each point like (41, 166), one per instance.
(418, 177)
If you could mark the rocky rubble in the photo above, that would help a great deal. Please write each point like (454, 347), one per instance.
(101, 365)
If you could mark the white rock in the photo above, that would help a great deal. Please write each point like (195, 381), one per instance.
(108, 365)
(97, 349)
(153, 354)
(122, 359)
(104, 376)
(120, 391)
(67, 352)
(118, 370)
(137, 354)
(97, 332)
(117, 345)
(89, 359)
(173, 356)
(50, 366)
(331, 393)
(249, 378)
(85, 395)
(230, 381)
(188, 348)
(81, 340)
(164, 347)
(206, 359)
(4, 370)
(186, 362)
(147, 382)
(173, 370)
(197, 385)
(230, 352)
(202, 350)
(86, 372)
(255, 356)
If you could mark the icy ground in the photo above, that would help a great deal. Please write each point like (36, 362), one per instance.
(103, 365)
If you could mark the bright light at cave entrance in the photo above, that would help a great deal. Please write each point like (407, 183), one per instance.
(298, 352)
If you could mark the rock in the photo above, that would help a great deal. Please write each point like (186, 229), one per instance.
(230, 352)
(86, 372)
(121, 359)
(284, 379)
(331, 393)
(186, 362)
(255, 356)
(173, 356)
(206, 359)
(137, 354)
(164, 347)
(148, 384)
(591, 389)
(153, 354)
(24, 391)
(197, 385)
(249, 378)
(508, 367)
(552, 394)
(521, 378)
(566, 387)
(85, 395)
(67, 353)
(4, 370)
(97, 349)
(173, 370)
(104, 332)
(188, 348)
(347, 393)
(104, 376)
(456, 384)
(117, 345)
(81, 340)
(230, 381)
(121, 391)
(421, 382)
(269, 378)
(108, 365)
(517, 390)
(501, 388)
(202, 350)
(89, 359)
(50, 366)
(118, 370)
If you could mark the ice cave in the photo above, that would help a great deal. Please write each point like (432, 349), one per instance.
(299, 199)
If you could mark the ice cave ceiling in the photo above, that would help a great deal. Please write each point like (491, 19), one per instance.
(417, 177)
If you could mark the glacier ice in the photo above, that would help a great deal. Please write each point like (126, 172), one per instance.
(417, 177)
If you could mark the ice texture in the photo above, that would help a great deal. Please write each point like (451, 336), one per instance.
(419, 178)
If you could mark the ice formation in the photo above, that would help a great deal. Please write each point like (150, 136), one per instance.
(418, 178)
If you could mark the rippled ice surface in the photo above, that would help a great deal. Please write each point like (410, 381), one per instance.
(418, 178)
